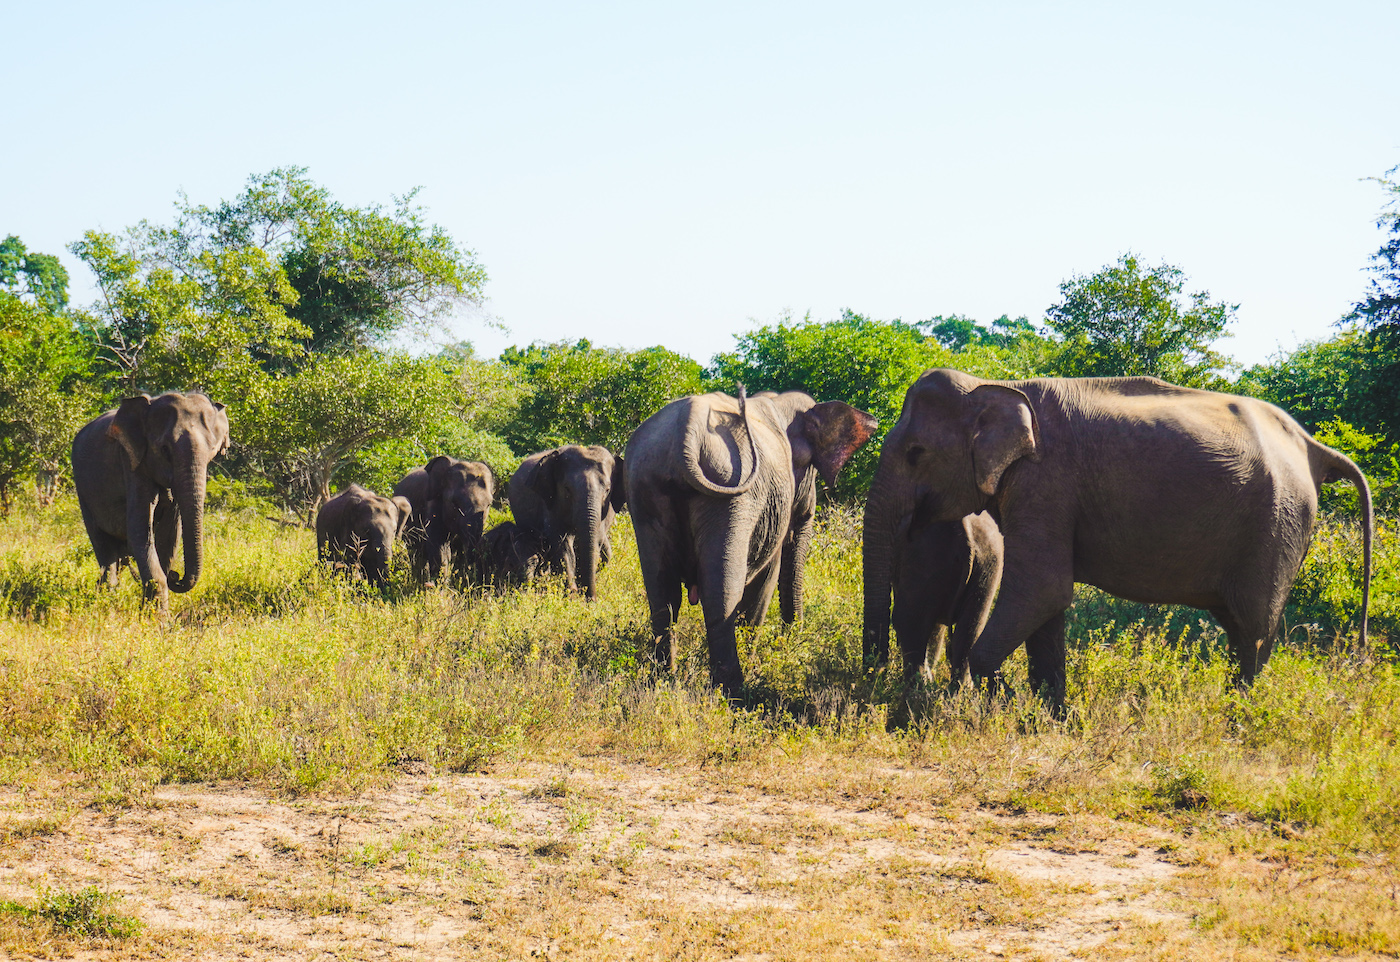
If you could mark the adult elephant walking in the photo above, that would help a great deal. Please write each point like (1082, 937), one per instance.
(566, 499)
(1152, 492)
(450, 501)
(140, 472)
(722, 494)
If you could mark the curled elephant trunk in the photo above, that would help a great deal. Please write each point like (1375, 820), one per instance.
(190, 486)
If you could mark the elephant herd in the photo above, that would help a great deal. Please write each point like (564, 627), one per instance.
(992, 499)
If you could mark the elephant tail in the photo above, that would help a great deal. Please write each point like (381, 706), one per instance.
(695, 474)
(1335, 466)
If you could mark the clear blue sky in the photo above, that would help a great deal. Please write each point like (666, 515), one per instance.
(670, 173)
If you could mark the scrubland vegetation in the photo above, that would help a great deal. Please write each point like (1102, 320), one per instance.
(541, 750)
(275, 673)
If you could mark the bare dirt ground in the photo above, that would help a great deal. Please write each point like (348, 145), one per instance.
(600, 859)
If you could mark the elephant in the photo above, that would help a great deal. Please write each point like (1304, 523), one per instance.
(450, 500)
(723, 494)
(1152, 492)
(510, 556)
(357, 528)
(567, 498)
(945, 575)
(141, 472)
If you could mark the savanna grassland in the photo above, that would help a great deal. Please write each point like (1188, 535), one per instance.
(292, 766)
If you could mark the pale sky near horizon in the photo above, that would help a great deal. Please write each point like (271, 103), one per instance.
(673, 173)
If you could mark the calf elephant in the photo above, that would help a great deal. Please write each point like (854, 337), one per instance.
(140, 472)
(567, 498)
(510, 556)
(945, 575)
(357, 528)
(1152, 492)
(722, 494)
(450, 500)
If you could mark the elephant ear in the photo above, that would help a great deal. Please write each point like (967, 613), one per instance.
(129, 427)
(405, 512)
(1004, 431)
(827, 434)
(434, 470)
(546, 477)
(222, 420)
(617, 493)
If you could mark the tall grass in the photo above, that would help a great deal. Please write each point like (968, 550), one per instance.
(275, 670)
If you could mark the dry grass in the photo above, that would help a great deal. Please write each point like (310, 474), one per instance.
(290, 763)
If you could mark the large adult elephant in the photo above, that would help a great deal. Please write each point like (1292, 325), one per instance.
(722, 494)
(357, 530)
(140, 472)
(1152, 492)
(566, 499)
(945, 575)
(450, 501)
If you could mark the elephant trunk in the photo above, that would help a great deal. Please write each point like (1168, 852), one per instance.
(883, 509)
(191, 479)
(588, 520)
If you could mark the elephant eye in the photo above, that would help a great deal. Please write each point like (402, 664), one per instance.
(913, 454)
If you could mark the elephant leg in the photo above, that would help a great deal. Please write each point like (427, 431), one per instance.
(794, 571)
(1045, 657)
(165, 521)
(110, 552)
(1037, 585)
(661, 577)
(1251, 638)
(722, 547)
(140, 505)
(914, 627)
(758, 595)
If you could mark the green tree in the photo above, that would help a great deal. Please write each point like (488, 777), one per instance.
(360, 274)
(44, 395)
(299, 429)
(1377, 315)
(42, 277)
(581, 394)
(204, 322)
(1127, 320)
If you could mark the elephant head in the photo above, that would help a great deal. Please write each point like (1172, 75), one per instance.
(170, 440)
(946, 457)
(581, 489)
(461, 493)
(370, 527)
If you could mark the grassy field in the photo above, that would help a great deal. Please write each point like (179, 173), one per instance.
(291, 760)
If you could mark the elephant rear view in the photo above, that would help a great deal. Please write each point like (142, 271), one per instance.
(357, 529)
(566, 499)
(723, 495)
(141, 472)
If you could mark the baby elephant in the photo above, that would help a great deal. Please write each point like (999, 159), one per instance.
(511, 556)
(946, 575)
(357, 528)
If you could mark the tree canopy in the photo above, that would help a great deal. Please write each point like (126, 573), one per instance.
(1128, 319)
(41, 277)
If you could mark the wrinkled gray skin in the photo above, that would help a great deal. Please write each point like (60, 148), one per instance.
(567, 498)
(945, 575)
(357, 528)
(726, 510)
(1152, 492)
(510, 556)
(450, 500)
(140, 472)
